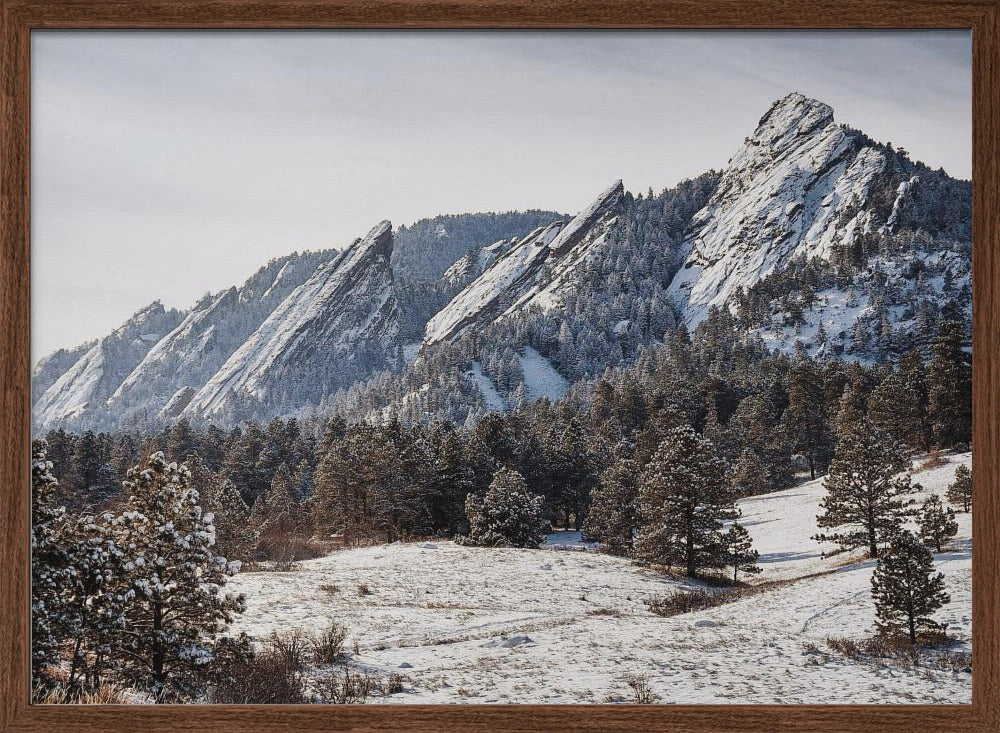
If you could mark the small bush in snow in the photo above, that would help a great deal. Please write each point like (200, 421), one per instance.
(642, 693)
(292, 646)
(328, 644)
(508, 515)
(350, 687)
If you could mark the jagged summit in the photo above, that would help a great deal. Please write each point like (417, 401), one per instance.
(800, 185)
(340, 324)
(515, 280)
(792, 116)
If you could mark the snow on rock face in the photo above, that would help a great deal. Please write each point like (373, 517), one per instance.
(515, 280)
(88, 382)
(471, 265)
(339, 324)
(210, 332)
(798, 186)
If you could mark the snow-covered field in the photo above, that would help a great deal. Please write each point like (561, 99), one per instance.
(565, 624)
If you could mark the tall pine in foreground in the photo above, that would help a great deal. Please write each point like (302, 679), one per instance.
(905, 588)
(937, 523)
(684, 498)
(508, 515)
(960, 490)
(867, 488)
(177, 607)
(49, 566)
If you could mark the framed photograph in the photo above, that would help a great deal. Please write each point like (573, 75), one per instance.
(499, 366)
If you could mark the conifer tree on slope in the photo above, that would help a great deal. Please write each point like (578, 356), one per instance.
(960, 490)
(177, 608)
(867, 489)
(805, 419)
(739, 551)
(949, 381)
(613, 517)
(49, 566)
(905, 588)
(895, 408)
(508, 515)
(937, 523)
(750, 474)
(684, 497)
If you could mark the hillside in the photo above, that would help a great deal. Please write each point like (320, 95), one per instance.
(564, 624)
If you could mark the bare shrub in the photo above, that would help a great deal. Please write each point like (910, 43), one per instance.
(329, 588)
(328, 644)
(364, 590)
(290, 646)
(348, 688)
(642, 693)
(265, 678)
(392, 685)
(934, 460)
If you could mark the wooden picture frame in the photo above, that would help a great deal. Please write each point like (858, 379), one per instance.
(20, 17)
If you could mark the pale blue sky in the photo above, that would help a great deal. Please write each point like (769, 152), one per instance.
(169, 164)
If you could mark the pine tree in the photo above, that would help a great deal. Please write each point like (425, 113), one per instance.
(949, 381)
(176, 609)
(50, 568)
(905, 588)
(960, 491)
(805, 419)
(508, 515)
(613, 517)
(937, 522)
(739, 551)
(866, 490)
(683, 499)
(896, 408)
(750, 475)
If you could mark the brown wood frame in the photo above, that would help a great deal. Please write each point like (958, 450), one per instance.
(19, 17)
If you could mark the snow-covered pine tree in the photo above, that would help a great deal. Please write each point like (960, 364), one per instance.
(805, 419)
(508, 515)
(740, 554)
(176, 608)
(937, 522)
(949, 381)
(896, 408)
(905, 588)
(49, 567)
(613, 517)
(750, 474)
(960, 490)
(866, 488)
(684, 497)
(236, 536)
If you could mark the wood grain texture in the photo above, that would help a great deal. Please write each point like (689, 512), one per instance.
(16, 21)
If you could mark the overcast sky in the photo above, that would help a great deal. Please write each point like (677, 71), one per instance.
(169, 164)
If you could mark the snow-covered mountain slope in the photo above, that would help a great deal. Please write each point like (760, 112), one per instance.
(97, 373)
(532, 273)
(183, 360)
(493, 625)
(338, 325)
(472, 264)
(799, 186)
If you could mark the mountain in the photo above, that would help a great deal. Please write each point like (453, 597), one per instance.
(98, 371)
(801, 186)
(425, 249)
(813, 238)
(188, 356)
(534, 272)
(337, 326)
